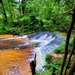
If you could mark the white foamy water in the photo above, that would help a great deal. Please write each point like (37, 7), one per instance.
(39, 51)
(39, 60)
(42, 37)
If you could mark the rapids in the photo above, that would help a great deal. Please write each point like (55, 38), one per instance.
(45, 43)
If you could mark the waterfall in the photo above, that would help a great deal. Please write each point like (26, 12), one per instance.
(46, 42)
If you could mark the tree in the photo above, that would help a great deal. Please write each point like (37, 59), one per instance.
(67, 40)
(19, 6)
(23, 7)
(4, 12)
(70, 57)
(72, 68)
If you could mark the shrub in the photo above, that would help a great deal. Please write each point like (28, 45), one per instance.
(48, 57)
(49, 67)
(55, 63)
(61, 48)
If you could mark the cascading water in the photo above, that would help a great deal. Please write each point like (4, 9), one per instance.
(46, 42)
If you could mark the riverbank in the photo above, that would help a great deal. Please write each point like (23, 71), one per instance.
(13, 60)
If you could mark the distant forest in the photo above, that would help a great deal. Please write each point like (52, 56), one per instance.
(25, 16)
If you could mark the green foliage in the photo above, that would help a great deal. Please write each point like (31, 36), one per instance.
(49, 66)
(54, 64)
(7, 29)
(61, 48)
(25, 18)
(44, 73)
(48, 57)
(51, 13)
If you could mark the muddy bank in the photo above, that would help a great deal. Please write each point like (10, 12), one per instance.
(14, 60)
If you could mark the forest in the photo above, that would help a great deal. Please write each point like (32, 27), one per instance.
(17, 17)
(21, 17)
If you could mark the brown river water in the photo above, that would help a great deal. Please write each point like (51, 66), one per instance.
(14, 61)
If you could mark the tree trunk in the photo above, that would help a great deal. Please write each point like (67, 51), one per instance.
(67, 41)
(70, 57)
(10, 9)
(19, 7)
(33, 65)
(23, 7)
(72, 68)
(4, 13)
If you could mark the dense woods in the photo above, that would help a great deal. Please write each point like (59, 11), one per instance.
(23, 16)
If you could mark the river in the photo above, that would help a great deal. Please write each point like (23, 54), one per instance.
(45, 43)
(40, 43)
